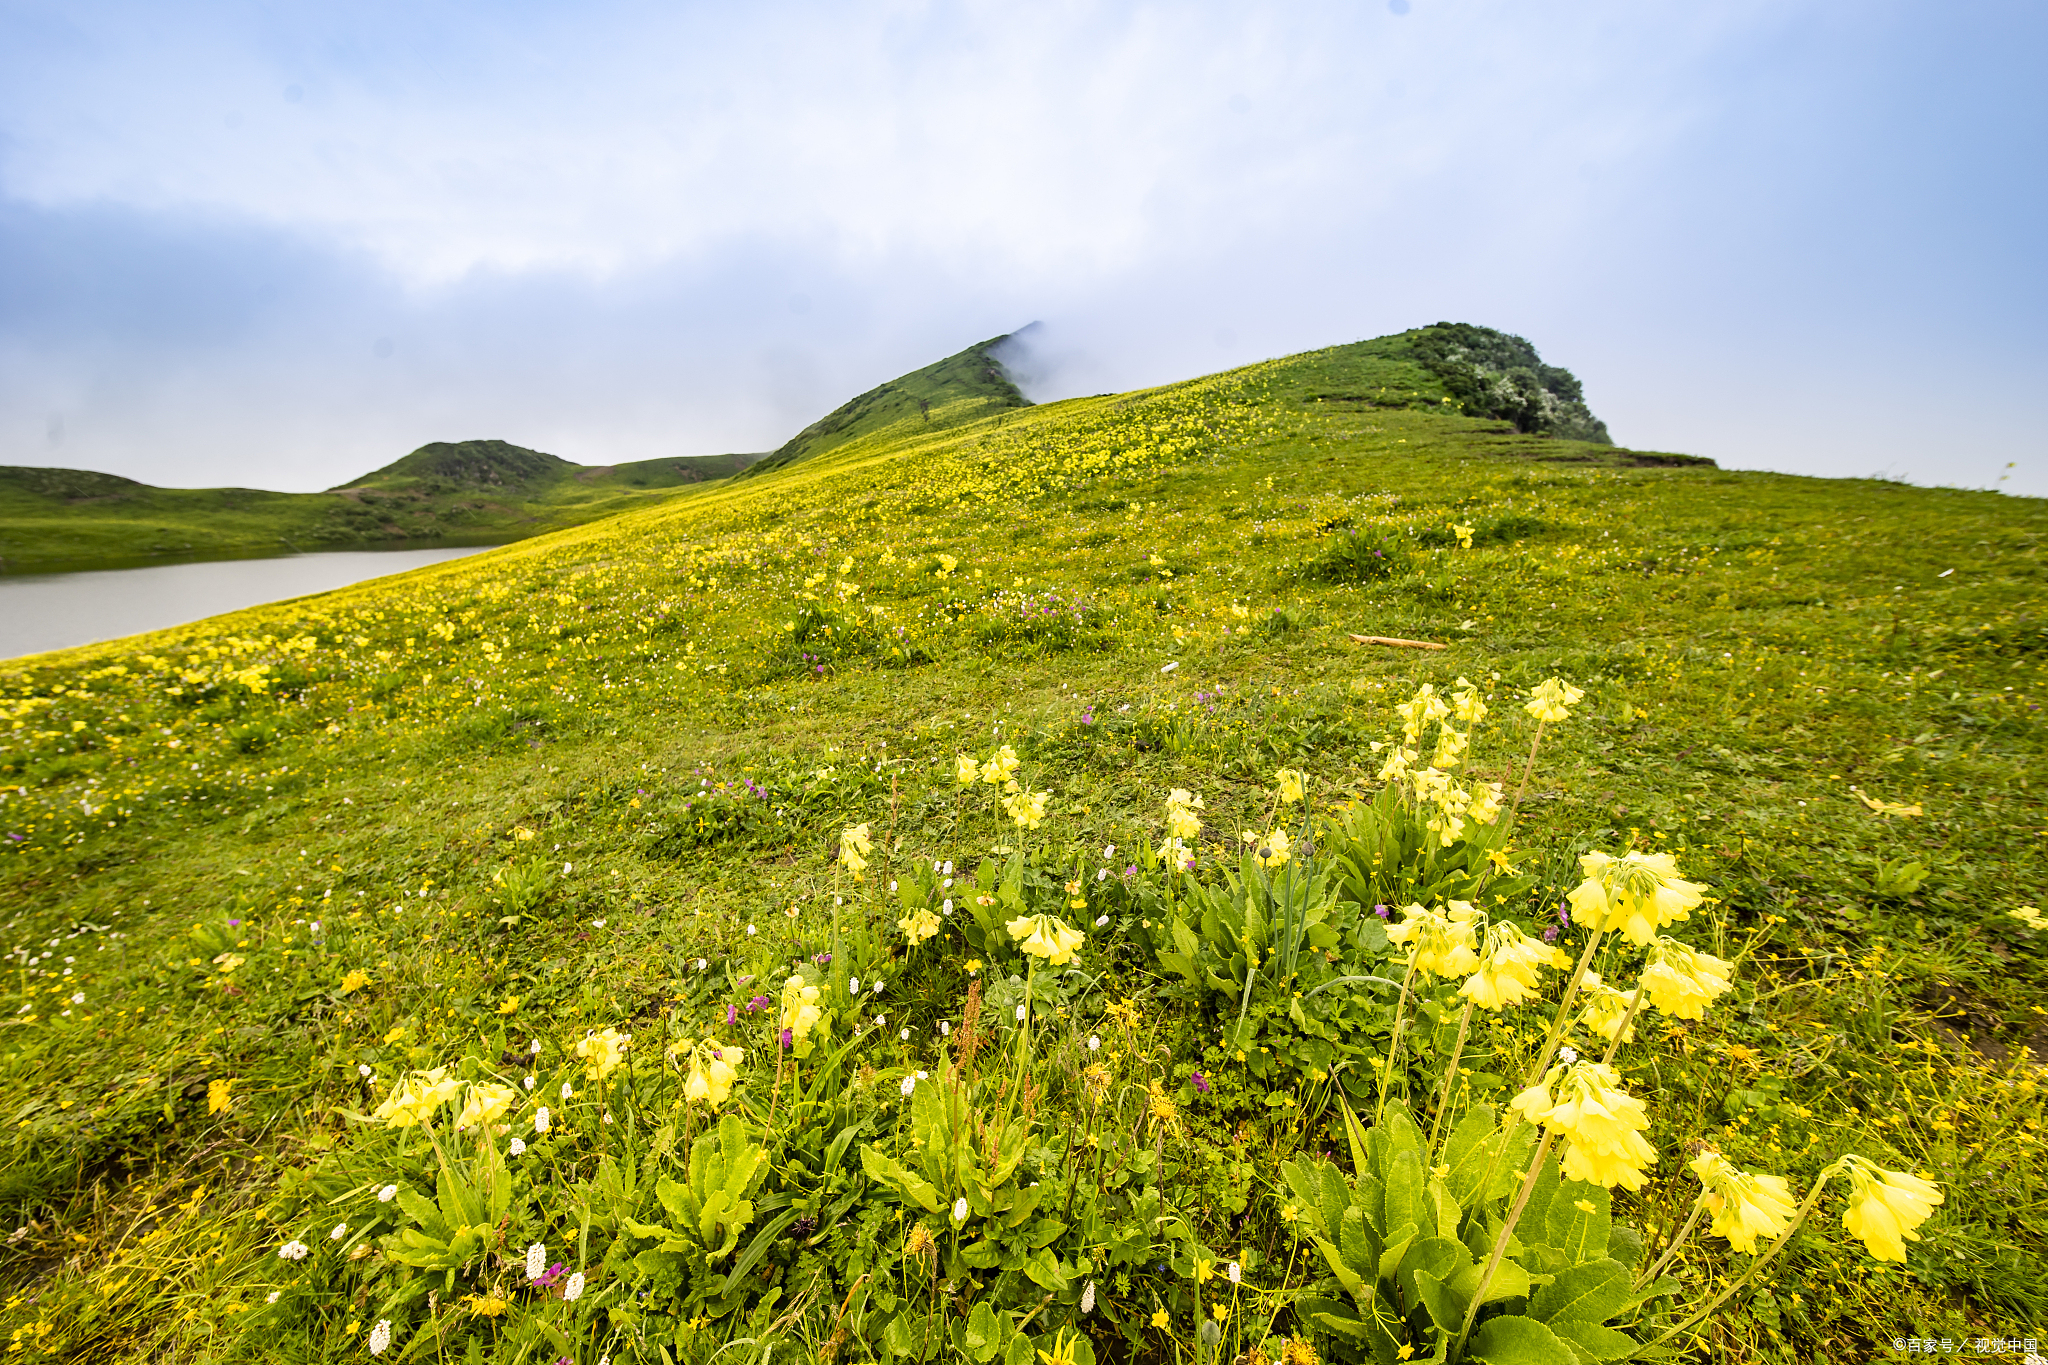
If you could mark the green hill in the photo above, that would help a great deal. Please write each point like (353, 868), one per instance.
(450, 493)
(406, 970)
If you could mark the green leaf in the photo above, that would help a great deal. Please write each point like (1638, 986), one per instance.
(1601, 1343)
(1404, 1192)
(1440, 1256)
(1355, 1284)
(1509, 1281)
(1333, 1198)
(1519, 1341)
(886, 1170)
(1446, 1306)
(1576, 1222)
(1591, 1292)
(1468, 1152)
(1020, 1352)
(1361, 1248)
(984, 1333)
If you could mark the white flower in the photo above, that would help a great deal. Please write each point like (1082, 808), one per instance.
(1100, 873)
(294, 1250)
(904, 1035)
(533, 1048)
(340, 1231)
(540, 1119)
(876, 988)
(909, 1084)
(938, 867)
(597, 924)
(947, 905)
(530, 1081)
(363, 1070)
(380, 1337)
(1093, 1042)
(387, 1194)
(945, 1028)
(517, 1147)
(566, 1091)
(1020, 1014)
(949, 867)
(271, 1297)
(702, 963)
(853, 986)
(1567, 1055)
(1088, 1298)
(567, 868)
(923, 1076)
(881, 1021)
(1101, 920)
(1234, 1271)
(960, 1210)
(574, 1289)
(750, 931)
(1109, 852)
(892, 883)
(536, 1260)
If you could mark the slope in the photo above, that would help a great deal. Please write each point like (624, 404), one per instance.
(268, 872)
(454, 493)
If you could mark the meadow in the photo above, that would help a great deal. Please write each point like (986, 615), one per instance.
(949, 897)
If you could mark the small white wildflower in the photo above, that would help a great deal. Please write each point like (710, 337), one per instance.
(750, 931)
(271, 1297)
(380, 1337)
(567, 868)
(1094, 1042)
(938, 866)
(294, 1250)
(892, 883)
(947, 905)
(533, 1047)
(876, 988)
(1101, 920)
(945, 1028)
(1100, 873)
(949, 867)
(540, 1119)
(1020, 1014)
(922, 1076)
(536, 1260)
(881, 1021)
(702, 963)
(340, 1231)
(904, 1035)
(607, 1116)
(363, 1070)
(597, 924)
(1234, 1271)
(574, 1289)
(1088, 1298)
(960, 1210)
(567, 1090)
(909, 1084)
(1567, 1055)
(853, 986)
(1109, 852)
(78, 997)
(387, 1194)
(517, 1147)
(946, 885)
(531, 1081)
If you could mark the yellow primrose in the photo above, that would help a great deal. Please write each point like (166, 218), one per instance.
(1508, 966)
(1000, 768)
(1605, 1008)
(1682, 981)
(712, 1073)
(1293, 784)
(417, 1097)
(1466, 704)
(1637, 894)
(1602, 1124)
(918, 926)
(854, 847)
(602, 1053)
(1047, 936)
(1552, 699)
(487, 1102)
(1027, 808)
(1885, 1207)
(1745, 1207)
(965, 770)
(1439, 942)
(1464, 535)
(800, 1009)
(354, 981)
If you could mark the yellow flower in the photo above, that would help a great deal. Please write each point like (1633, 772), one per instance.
(417, 1097)
(1552, 699)
(1271, 849)
(1465, 702)
(1205, 1270)
(485, 1307)
(218, 1097)
(918, 926)
(1065, 1349)
(1160, 1320)
(1423, 709)
(227, 962)
(602, 1053)
(1439, 943)
(2030, 916)
(1047, 936)
(1605, 1008)
(1885, 1207)
(1181, 820)
(854, 848)
(1485, 808)
(800, 1010)
(1027, 808)
(1682, 981)
(1221, 1312)
(487, 1102)
(355, 980)
(1745, 1207)
(1000, 768)
(712, 1073)
(973, 965)
(965, 770)
(947, 564)
(1293, 784)
(1508, 965)
(1637, 894)
(522, 833)
(509, 1005)
(1602, 1124)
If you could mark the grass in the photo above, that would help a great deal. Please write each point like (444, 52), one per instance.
(524, 795)
(462, 493)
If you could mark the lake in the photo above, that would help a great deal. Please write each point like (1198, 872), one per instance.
(59, 610)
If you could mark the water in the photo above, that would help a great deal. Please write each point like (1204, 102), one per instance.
(59, 610)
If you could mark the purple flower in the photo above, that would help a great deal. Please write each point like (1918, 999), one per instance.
(1201, 1082)
(732, 1014)
(822, 959)
(233, 922)
(546, 1279)
(1564, 914)
(1550, 934)
(759, 1002)
(1383, 912)
(786, 1040)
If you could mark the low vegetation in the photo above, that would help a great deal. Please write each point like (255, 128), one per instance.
(971, 894)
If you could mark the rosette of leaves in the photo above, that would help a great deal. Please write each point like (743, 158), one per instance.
(1406, 1240)
(1385, 854)
(692, 1255)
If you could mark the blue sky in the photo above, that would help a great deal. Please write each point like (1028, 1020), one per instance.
(278, 246)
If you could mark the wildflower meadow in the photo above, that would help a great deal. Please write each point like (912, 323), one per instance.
(1271, 869)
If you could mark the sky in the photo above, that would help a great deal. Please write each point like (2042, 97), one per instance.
(278, 246)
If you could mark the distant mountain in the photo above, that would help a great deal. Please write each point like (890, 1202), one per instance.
(960, 388)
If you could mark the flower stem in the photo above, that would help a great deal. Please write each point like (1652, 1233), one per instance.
(1649, 1276)
(1523, 789)
(1635, 1006)
(1450, 1077)
(1394, 1043)
(1500, 1243)
(1812, 1198)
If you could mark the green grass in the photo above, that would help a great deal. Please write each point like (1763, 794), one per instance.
(461, 493)
(1149, 590)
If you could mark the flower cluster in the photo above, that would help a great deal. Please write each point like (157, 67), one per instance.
(1429, 787)
(1602, 1124)
(603, 1053)
(1047, 936)
(1637, 894)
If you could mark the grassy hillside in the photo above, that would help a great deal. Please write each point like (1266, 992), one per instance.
(264, 877)
(961, 388)
(453, 493)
